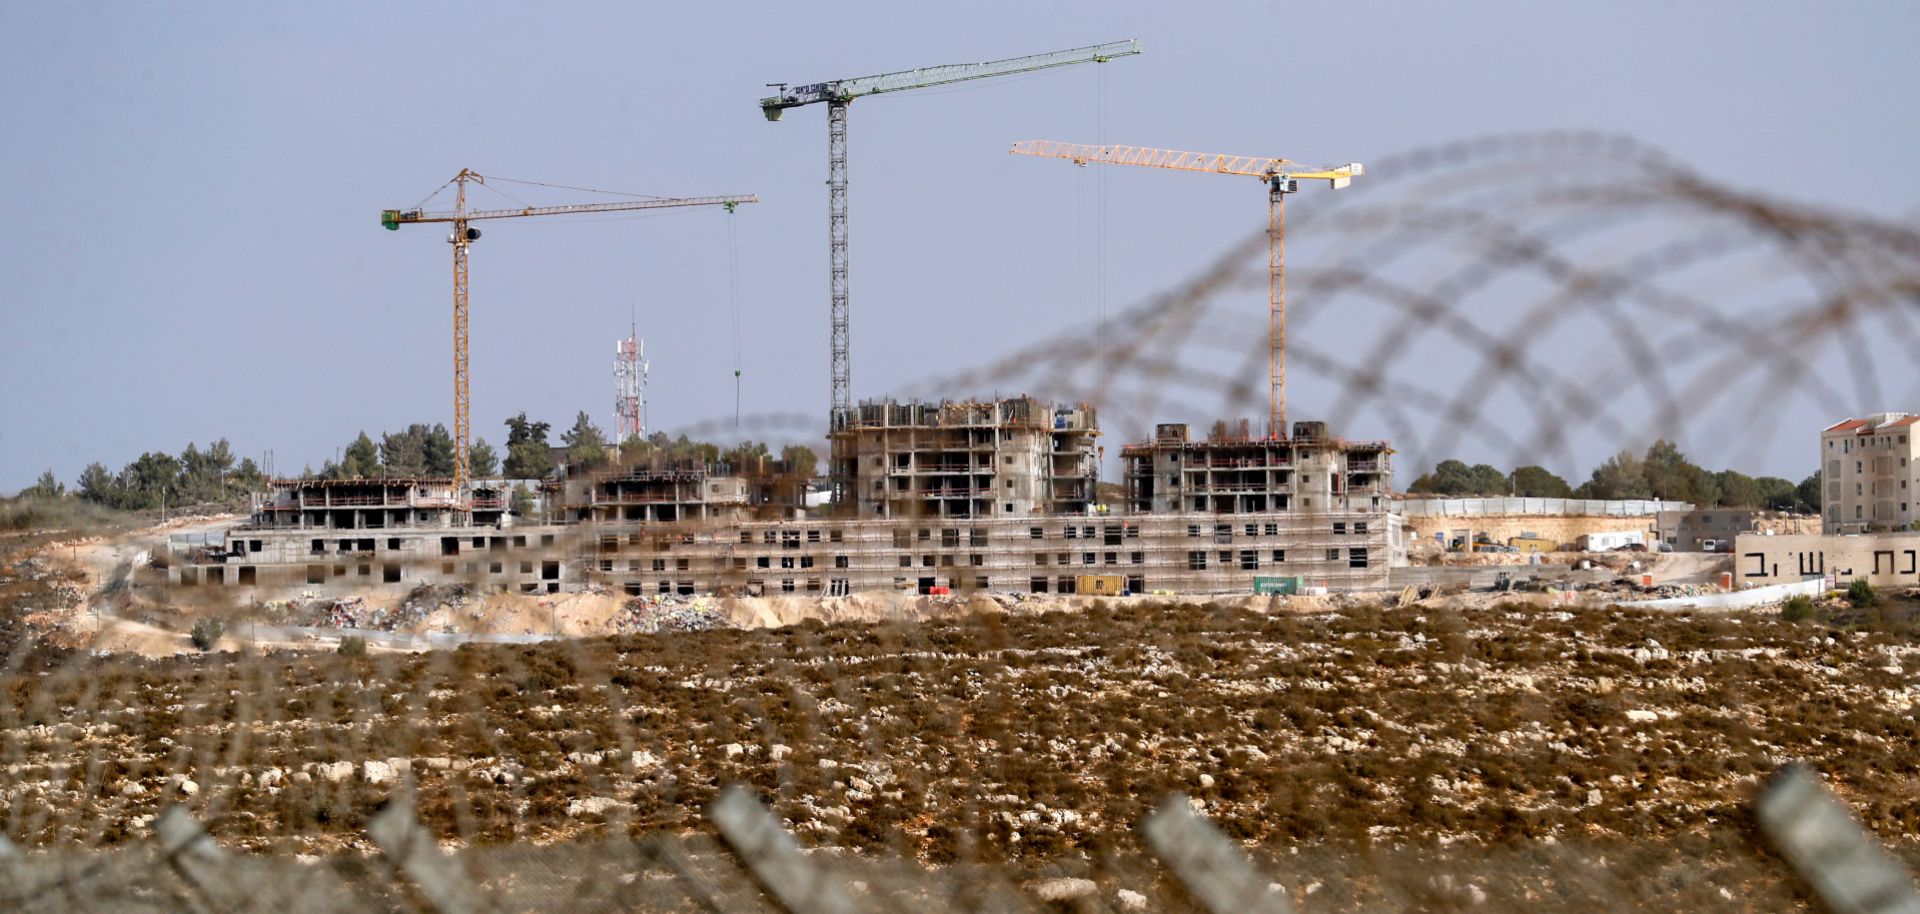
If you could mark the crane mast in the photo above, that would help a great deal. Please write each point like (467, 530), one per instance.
(838, 95)
(1281, 176)
(464, 235)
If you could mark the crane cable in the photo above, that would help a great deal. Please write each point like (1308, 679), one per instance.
(487, 182)
(733, 296)
(584, 190)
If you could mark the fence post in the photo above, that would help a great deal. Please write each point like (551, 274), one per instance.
(198, 860)
(1211, 868)
(774, 857)
(1846, 867)
(407, 847)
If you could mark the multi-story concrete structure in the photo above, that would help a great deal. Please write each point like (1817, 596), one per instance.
(659, 493)
(376, 504)
(1184, 553)
(968, 459)
(1233, 472)
(1870, 469)
(964, 496)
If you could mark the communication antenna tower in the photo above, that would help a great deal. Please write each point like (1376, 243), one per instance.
(630, 379)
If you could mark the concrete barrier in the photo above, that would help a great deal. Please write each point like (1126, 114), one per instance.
(1578, 507)
(1739, 599)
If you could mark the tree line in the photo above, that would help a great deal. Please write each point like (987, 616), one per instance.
(421, 450)
(213, 475)
(1663, 472)
(199, 476)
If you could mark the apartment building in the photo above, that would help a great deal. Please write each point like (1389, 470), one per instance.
(956, 495)
(1869, 469)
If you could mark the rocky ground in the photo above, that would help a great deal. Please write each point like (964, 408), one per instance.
(1035, 737)
(1427, 756)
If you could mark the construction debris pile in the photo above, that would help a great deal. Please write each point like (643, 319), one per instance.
(314, 609)
(1664, 591)
(650, 615)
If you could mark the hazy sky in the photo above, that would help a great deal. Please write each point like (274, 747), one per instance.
(191, 245)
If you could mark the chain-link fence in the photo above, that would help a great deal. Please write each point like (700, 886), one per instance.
(1528, 294)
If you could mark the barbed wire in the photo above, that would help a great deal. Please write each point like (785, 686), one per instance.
(1406, 299)
(1528, 295)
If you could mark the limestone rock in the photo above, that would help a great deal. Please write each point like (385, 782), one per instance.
(1061, 888)
(590, 806)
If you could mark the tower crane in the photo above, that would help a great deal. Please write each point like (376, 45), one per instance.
(464, 235)
(1281, 176)
(838, 94)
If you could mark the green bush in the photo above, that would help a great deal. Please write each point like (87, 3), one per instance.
(1860, 593)
(352, 646)
(1797, 608)
(206, 633)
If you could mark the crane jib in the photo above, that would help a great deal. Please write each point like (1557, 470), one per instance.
(393, 219)
(923, 77)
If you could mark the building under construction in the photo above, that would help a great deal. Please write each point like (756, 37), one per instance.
(998, 494)
(1234, 472)
(973, 459)
(976, 495)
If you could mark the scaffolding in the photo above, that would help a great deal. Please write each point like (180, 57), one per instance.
(968, 459)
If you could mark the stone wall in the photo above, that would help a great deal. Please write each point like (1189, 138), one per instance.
(1564, 530)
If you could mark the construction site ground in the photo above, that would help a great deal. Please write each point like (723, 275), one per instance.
(1529, 749)
(1557, 758)
(107, 600)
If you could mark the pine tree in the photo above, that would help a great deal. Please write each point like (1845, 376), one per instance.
(361, 459)
(437, 450)
(46, 487)
(1620, 476)
(528, 460)
(1538, 482)
(404, 453)
(586, 445)
(96, 484)
(520, 430)
(1807, 493)
(482, 460)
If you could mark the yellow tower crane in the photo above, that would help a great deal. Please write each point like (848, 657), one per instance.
(464, 235)
(1281, 176)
